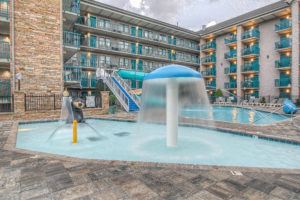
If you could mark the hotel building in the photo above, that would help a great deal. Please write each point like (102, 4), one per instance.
(49, 46)
(255, 54)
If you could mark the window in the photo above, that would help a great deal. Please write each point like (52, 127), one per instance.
(124, 62)
(101, 42)
(107, 42)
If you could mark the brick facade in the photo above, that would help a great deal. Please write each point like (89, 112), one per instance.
(38, 45)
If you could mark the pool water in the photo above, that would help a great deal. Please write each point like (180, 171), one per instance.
(129, 141)
(235, 115)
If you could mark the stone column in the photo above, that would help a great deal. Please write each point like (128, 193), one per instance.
(19, 103)
(239, 62)
(295, 50)
(105, 100)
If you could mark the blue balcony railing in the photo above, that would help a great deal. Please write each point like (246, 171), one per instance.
(250, 84)
(251, 50)
(283, 62)
(283, 82)
(72, 74)
(209, 72)
(208, 59)
(283, 24)
(4, 50)
(231, 70)
(88, 82)
(4, 9)
(231, 54)
(71, 39)
(230, 39)
(283, 43)
(211, 84)
(209, 45)
(71, 6)
(252, 33)
(230, 85)
(251, 67)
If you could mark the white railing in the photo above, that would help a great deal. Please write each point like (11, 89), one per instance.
(126, 87)
(123, 99)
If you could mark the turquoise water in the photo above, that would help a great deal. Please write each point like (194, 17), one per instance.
(235, 115)
(132, 142)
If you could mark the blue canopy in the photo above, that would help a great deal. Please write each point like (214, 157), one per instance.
(173, 71)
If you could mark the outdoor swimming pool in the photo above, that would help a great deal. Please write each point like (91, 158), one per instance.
(235, 115)
(129, 141)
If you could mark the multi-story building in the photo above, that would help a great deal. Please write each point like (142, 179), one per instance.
(46, 46)
(255, 54)
(99, 36)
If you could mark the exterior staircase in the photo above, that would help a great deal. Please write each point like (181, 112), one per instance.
(121, 90)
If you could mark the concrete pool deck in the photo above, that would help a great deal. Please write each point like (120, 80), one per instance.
(34, 175)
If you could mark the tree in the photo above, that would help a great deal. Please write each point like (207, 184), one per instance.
(218, 93)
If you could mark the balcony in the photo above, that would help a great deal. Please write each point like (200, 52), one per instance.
(4, 17)
(209, 46)
(250, 84)
(5, 87)
(119, 30)
(284, 26)
(230, 85)
(4, 53)
(251, 51)
(208, 60)
(230, 70)
(72, 74)
(250, 67)
(231, 55)
(211, 85)
(283, 82)
(284, 45)
(231, 40)
(71, 43)
(283, 63)
(88, 82)
(72, 6)
(210, 72)
(251, 35)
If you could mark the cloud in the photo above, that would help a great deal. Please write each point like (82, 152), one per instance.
(190, 14)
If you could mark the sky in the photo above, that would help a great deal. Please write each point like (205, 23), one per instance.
(191, 14)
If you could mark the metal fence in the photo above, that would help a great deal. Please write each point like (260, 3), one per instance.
(6, 104)
(54, 102)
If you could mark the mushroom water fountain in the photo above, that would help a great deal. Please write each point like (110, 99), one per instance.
(167, 92)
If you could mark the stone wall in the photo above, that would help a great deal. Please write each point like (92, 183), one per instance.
(37, 26)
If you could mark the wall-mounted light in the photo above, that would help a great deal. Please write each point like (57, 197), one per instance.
(287, 72)
(234, 77)
(251, 91)
(251, 75)
(287, 90)
(288, 54)
(234, 62)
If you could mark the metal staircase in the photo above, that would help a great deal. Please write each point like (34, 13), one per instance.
(121, 90)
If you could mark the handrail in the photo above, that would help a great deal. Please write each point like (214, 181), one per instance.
(127, 88)
(123, 99)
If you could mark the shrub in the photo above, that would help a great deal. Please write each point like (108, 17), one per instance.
(112, 100)
(218, 93)
(263, 100)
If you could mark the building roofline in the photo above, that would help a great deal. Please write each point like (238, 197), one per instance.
(282, 4)
(141, 17)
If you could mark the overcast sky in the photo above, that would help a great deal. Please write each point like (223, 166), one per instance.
(190, 14)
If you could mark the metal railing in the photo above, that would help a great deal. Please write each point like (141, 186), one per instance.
(71, 39)
(283, 43)
(231, 54)
(252, 50)
(283, 62)
(4, 50)
(123, 99)
(230, 39)
(209, 72)
(4, 9)
(120, 29)
(283, 25)
(252, 33)
(42, 102)
(209, 45)
(230, 70)
(230, 85)
(283, 82)
(251, 66)
(126, 87)
(6, 103)
(208, 59)
(71, 6)
(250, 84)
